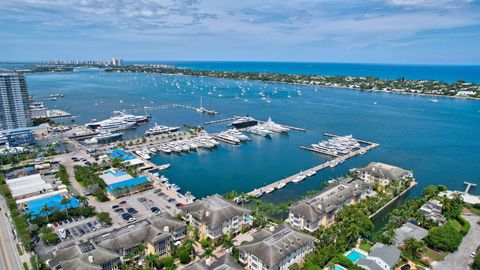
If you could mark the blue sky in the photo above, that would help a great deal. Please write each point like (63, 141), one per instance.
(388, 31)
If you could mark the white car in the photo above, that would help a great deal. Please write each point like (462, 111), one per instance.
(62, 233)
(472, 254)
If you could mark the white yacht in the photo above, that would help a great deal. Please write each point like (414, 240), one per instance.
(143, 154)
(104, 137)
(300, 177)
(160, 129)
(272, 126)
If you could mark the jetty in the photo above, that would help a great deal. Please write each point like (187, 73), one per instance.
(146, 108)
(198, 109)
(328, 164)
(221, 120)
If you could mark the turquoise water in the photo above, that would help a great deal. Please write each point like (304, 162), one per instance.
(354, 255)
(386, 71)
(338, 267)
(438, 141)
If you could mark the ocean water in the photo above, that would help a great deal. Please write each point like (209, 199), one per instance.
(386, 71)
(438, 141)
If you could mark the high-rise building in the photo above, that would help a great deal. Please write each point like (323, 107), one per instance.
(14, 101)
(117, 62)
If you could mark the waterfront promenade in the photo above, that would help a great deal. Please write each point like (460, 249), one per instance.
(283, 182)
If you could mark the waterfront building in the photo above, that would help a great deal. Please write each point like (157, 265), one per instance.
(226, 262)
(320, 210)
(433, 210)
(381, 257)
(20, 136)
(117, 62)
(276, 248)
(109, 251)
(409, 230)
(382, 173)
(214, 216)
(14, 101)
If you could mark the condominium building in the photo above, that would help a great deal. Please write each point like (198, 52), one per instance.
(319, 210)
(213, 216)
(276, 248)
(383, 174)
(14, 101)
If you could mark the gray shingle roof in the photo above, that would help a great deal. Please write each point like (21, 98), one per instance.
(368, 264)
(134, 238)
(226, 262)
(329, 200)
(271, 247)
(214, 210)
(382, 170)
(409, 230)
(72, 256)
(388, 253)
(162, 222)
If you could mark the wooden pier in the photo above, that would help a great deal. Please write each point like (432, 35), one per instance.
(331, 163)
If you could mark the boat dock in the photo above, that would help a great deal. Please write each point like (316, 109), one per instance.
(331, 163)
(318, 151)
(221, 120)
(222, 139)
(198, 109)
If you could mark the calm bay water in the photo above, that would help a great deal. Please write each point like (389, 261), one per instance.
(438, 141)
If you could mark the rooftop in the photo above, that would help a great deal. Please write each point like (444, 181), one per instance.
(114, 188)
(386, 171)
(25, 185)
(214, 210)
(328, 200)
(271, 246)
(409, 230)
(121, 154)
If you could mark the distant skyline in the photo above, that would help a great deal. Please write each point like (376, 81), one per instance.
(370, 31)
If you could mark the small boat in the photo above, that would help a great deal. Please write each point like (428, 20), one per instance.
(269, 190)
(433, 100)
(164, 166)
(310, 173)
(281, 185)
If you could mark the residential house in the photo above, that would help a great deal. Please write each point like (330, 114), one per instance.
(381, 257)
(214, 216)
(409, 230)
(433, 210)
(319, 210)
(276, 248)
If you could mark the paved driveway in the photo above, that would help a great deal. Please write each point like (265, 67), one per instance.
(460, 259)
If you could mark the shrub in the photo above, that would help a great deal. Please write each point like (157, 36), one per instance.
(476, 262)
(444, 238)
(184, 256)
(105, 218)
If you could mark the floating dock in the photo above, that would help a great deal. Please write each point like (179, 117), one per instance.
(331, 163)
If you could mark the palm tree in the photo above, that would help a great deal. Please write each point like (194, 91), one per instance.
(83, 200)
(413, 247)
(65, 201)
(151, 260)
(46, 211)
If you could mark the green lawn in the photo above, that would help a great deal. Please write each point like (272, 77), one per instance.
(434, 255)
(365, 246)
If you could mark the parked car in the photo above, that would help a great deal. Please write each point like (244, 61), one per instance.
(80, 231)
(36, 239)
(132, 210)
(170, 200)
(62, 233)
(115, 206)
(142, 199)
(55, 224)
(90, 226)
(122, 202)
(155, 209)
(119, 210)
(179, 205)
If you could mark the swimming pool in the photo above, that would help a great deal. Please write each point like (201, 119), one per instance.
(353, 255)
(338, 267)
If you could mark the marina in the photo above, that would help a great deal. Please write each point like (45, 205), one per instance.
(304, 174)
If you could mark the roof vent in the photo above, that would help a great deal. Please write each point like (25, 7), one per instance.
(166, 229)
(90, 259)
(207, 213)
(272, 228)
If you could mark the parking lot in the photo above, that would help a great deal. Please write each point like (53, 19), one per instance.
(77, 227)
(138, 206)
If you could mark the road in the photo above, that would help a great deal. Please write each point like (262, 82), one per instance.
(9, 257)
(460, 259)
